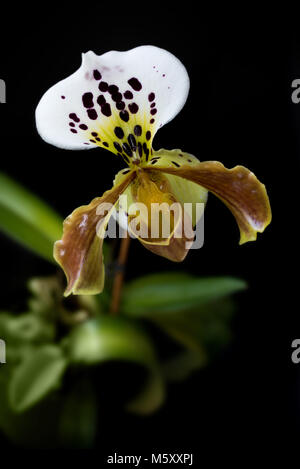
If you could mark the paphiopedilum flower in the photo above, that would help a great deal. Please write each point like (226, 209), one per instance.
(118, 101)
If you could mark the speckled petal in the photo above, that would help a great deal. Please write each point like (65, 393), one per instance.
(117, 101)
(79, 252)
(238, 188)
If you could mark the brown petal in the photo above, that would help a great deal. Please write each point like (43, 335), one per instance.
(79, 252)
(238, 188)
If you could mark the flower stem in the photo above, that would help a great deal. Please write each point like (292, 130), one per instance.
(119, 276)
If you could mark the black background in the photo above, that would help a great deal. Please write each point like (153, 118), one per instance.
(239, 111)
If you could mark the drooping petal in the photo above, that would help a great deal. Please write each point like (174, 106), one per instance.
(238, 188)
(79, 252)
(117, 100)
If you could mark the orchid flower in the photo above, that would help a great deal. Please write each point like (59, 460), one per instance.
(118, 101)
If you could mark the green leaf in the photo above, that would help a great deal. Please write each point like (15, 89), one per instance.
(78, 422)
(205, 328)
(109, 338)
(25, 328)
(46, 296)
(39, 373)
(181, 366)
(174, 292)
(48, 302)
(152, 395)
(34, 428)
(27, 219)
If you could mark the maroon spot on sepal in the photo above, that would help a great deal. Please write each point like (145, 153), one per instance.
(135, 84)
(132, 142)
(137, 130)
(83, 127)
(127, 149)
(120, 105)
(106, 109)
(128, 95)
(74, 117)
(119, 132)
(101, 100)
(140, 149)
(124, 116)
(97, 75)
(118, 147)
(103, 86)
(113, 89)
(133, 108)
(146, 150)
(117, 97)
(92, 114)
(87, 99)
